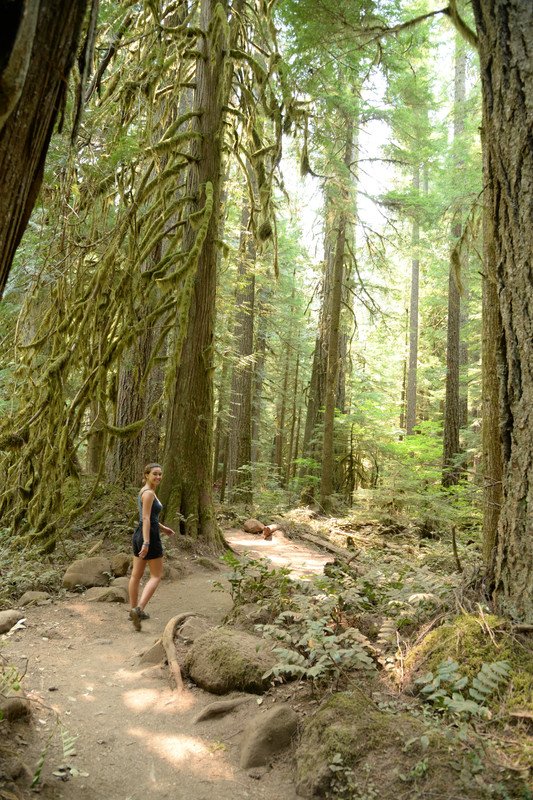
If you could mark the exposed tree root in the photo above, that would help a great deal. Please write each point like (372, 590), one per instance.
(170, 648)
(221, 707)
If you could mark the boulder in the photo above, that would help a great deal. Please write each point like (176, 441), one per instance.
(224, 660)
(87, 572)
(172, 572)
(370, 747)
(120, 564)
(253, 526)
(193, 628)
(266, 735)
(123, 582)
(107, 594)
(155, 654)
(33, 598)
(8, 619)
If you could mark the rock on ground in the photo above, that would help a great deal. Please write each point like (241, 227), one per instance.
(381, 751)
(8, 619)
(193, 628)
(266, 735)
(223, 660)
(87, 572)
(253, 526)
(120, 564)
(31, 597)
(107, 594)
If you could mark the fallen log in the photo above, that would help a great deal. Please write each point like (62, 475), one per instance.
(333, 548)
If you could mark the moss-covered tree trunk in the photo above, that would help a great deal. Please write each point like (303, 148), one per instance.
(505, 33)
(39, 43)
(187, 490)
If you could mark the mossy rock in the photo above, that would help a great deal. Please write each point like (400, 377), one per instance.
(223, 660)
(472, 641)
(350, 744)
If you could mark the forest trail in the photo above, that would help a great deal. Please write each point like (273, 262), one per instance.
(136, 738)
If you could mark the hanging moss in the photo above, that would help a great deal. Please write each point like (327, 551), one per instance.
(124, 209)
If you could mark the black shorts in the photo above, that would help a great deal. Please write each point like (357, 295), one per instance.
(156, 548)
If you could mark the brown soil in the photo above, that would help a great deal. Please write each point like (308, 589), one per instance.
(136, 736)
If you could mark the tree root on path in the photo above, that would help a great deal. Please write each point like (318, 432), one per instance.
(170, 648)
(221, 707)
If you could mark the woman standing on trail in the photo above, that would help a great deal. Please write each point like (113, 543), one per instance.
(146, 541)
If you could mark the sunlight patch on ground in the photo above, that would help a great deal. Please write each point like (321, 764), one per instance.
(155, 700)
(186, 752)
(281, 552)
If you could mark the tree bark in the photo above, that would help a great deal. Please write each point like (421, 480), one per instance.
(450, 448)
(259, 369)
(38, 52)
(505, 34)
(410, 414)
(186, 490)
(326, 476)
(240, 433)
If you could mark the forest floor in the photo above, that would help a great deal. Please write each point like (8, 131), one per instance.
(111, 726)
(136, 737)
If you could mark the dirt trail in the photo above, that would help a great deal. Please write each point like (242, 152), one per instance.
(136, 737)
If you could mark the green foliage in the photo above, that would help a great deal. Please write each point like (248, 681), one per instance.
(317, 649)
(67, 743)
(10, 679)
(254, 580)
(445, 688)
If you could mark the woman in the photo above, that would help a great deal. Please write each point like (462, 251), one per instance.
(146, 543)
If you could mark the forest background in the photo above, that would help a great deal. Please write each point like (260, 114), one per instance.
(174, 299)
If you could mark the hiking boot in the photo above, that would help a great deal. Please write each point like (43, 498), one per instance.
(143, 614)
(135, 616)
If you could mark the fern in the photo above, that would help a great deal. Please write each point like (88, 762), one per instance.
(489, 679)
(67, 744)
(444, 688)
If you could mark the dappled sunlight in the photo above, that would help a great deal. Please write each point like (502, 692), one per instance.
(141, 699)
(281, 552)
(127, 675)
(161, 702)
(186, 753)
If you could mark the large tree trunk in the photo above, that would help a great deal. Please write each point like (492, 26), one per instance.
(317, 386)
(186, 491)
(505, 32)
(39, 41)
(240, 432)
(450, 471)
(410, 414)
(259, 369)
(334, 313)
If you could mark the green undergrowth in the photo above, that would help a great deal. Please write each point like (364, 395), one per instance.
(475, 640)
(108, 519)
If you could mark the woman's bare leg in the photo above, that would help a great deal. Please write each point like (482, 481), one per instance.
(156, 571)
(139, 565)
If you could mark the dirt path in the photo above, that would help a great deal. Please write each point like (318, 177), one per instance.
(136, 737)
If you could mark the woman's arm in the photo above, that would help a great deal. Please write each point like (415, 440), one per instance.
(147, 503)
(165, 529)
